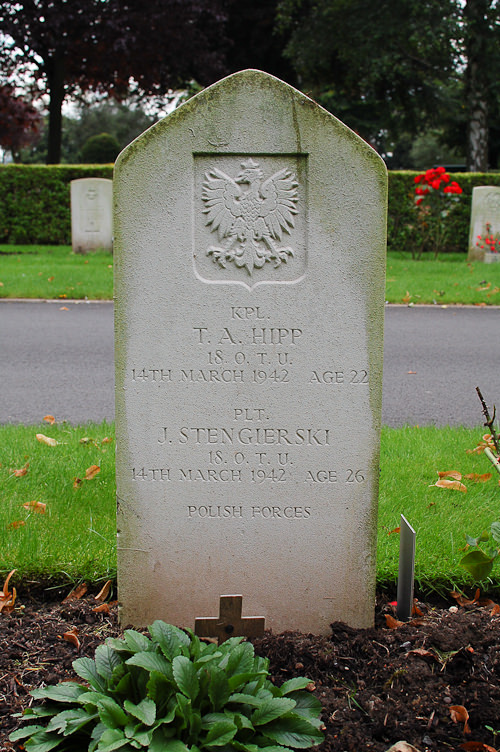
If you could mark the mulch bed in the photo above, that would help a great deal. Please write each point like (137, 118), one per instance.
(377, 686)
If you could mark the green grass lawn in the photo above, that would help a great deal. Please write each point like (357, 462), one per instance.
(30, 271)
(74, 537)
(56, 272)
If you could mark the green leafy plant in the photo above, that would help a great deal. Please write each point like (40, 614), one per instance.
(434, 197)
(172, 693)
(479, 562)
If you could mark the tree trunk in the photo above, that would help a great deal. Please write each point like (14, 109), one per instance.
(55, 85)
(477, 37)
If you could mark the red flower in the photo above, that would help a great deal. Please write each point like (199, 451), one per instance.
(418, 178)
(435, 184)
(453, 187)
(440, 170)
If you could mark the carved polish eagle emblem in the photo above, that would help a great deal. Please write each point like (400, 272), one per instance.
(250, 215)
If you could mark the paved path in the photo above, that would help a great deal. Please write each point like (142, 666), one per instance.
(60, 362)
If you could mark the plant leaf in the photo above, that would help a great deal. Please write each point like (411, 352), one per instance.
(86, 669)
(145, 711)
(271, 709)
(220, 733)
(292, 685)
(63, 692)
(106, 660)
(185, 676)
(218, 688)
(151, 662)
(293, 731)
(42, 742)
(478, 564)
(111, 714)
(170, 639)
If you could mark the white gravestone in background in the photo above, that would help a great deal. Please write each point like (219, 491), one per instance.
(485, 210)
(249, 303)
(91, 214)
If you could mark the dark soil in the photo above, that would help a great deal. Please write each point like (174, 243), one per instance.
(377, 686)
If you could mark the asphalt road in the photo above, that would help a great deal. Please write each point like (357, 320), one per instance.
(60, 362)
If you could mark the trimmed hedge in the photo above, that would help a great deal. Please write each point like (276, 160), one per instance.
(35, 204)
(35, 201)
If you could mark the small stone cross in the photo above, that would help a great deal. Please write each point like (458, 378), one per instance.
(230, 622)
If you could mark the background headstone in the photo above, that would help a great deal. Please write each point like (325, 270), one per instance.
(485, 210)
(91, 214)
(249, 302)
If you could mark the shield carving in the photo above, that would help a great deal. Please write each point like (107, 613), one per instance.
(249, 219)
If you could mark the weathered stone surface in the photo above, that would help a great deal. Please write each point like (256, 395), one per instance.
(249, 273)
(485, 210)
(91, 214)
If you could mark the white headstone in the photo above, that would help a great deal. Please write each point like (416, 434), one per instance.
(249, 271)
(91, 214)
(485, 211)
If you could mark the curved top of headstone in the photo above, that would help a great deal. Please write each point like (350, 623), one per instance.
(271, 100)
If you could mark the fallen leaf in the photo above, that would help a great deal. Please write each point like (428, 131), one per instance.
(63, 308)
(460, 715)
(411, 372)
(104, 592)
(106, 440)
(50, 279)
(407, 297)
(402, 747)
(77, 593)
(46, 440)
(486, 443)
(477, 747)
(7, 599)
(91, 472)
(72, 636)
(415, 610)
(35, 506)
(50, 419)
(462, 600)
(454, 485)
(478, 478)
(101, 608)
(21, 472)
(392, 623)
(77, 482)
(63, 295)
(495, 610)
(14, 525)
(311, 687)
(423, 653)
(450, 474)
(396, 530)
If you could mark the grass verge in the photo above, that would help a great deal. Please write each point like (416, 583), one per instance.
(55, 272)
(51, 272)
(74, 537)
(448, 280)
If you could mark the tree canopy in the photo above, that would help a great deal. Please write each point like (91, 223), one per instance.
(111, 46)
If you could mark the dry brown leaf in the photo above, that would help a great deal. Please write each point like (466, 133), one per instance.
(392, 623)
(46, 440)
(453, 485)
(311, 687)
(92, 471)
(14, 525)
(495, 610)
(459, 714)
(396, 530)
(77, 482)
(50, 279)
(35, 506)
(20, 472)
(450, 474)
(63, 308)
(402, 747)
(7, 599)
(72, 636)
(49, 419)
(477, 747)
(423, 653)
(477, 478)
(415, 610)
(407, 297)
(486, 443)
(101, 608)
(462, 600)
(104, 592)
(76, 593)
(106, 440)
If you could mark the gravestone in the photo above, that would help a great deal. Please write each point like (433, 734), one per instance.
(249, 303)
(91, 214)
(485, 211)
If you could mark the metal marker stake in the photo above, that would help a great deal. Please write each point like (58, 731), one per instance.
(406, 573)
